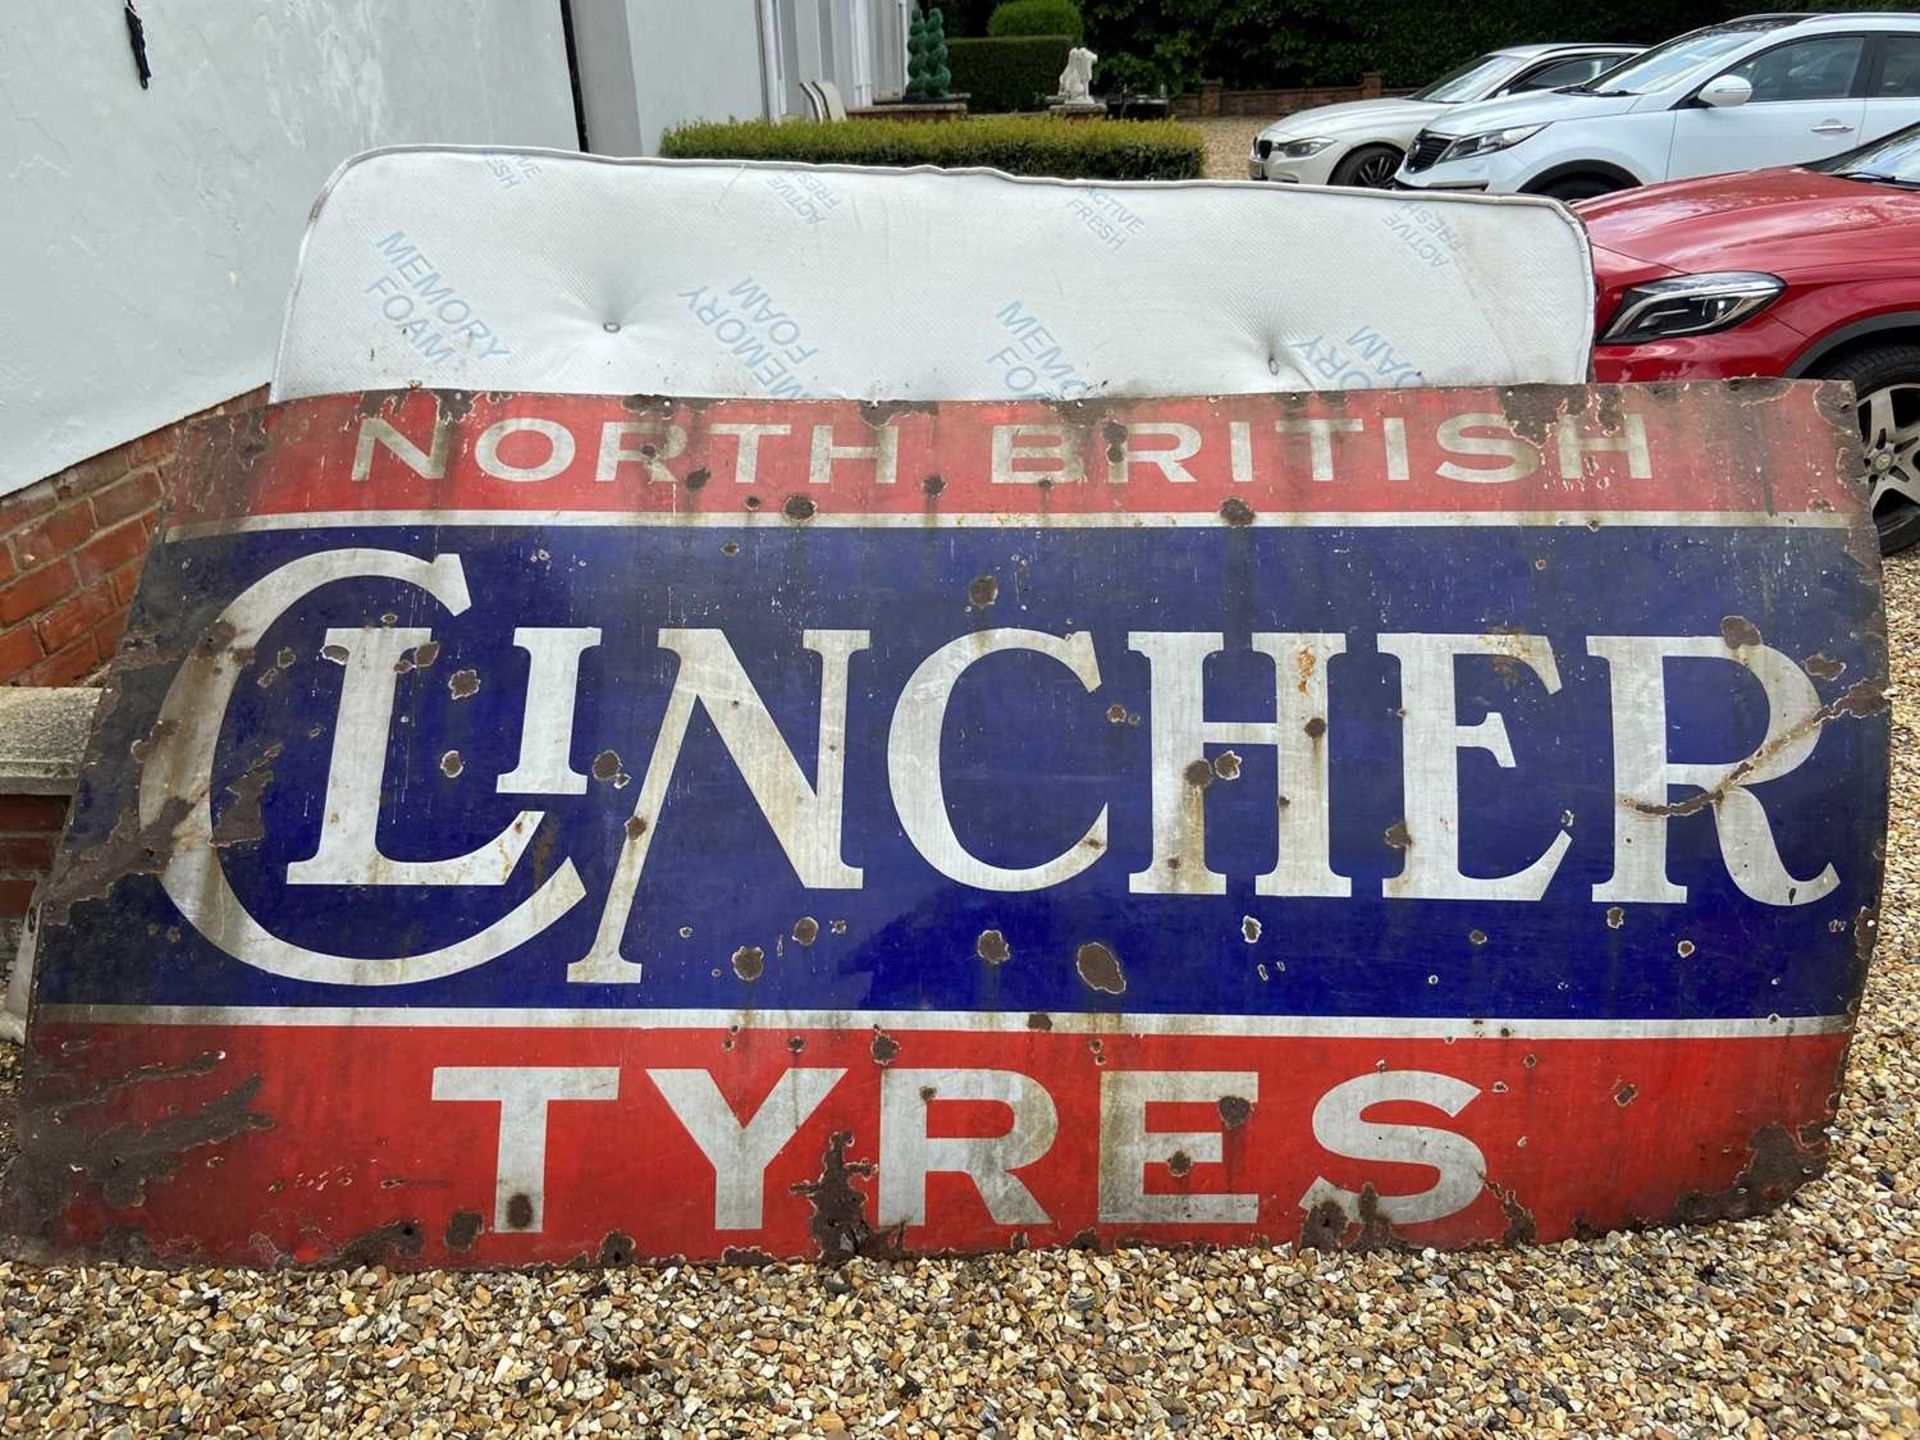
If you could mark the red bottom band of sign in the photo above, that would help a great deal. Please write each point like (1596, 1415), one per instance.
(450, 1145)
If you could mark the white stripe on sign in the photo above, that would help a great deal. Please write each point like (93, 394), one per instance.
(1356, 1027)
(771, 518)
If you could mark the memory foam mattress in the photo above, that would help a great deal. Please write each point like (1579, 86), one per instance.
(545, 270)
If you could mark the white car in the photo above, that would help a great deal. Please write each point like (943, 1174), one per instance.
(1763, 90)
(1361, 142)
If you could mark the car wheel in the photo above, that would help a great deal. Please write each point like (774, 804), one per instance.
(1371, 167)
(1578, 187)
(1887, 380)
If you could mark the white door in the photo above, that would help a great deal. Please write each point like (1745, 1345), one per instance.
(1893, 92)
(1805, 105)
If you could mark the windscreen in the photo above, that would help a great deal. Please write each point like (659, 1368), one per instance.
(1893, 160)
(1471, 81)
(1664, 64)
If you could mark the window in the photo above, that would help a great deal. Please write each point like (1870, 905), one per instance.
(1666, 64)
(1818, 69)
(1899, 67)
(1556, 73)
(1469, 82)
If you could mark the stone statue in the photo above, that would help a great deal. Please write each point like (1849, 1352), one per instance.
(1076, 81)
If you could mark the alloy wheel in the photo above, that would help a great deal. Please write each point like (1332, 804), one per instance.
(1374, 171)
(1890, 431)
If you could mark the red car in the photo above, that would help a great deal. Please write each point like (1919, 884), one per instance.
(1812, 270)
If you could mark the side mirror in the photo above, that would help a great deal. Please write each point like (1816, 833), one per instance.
(1725, 90)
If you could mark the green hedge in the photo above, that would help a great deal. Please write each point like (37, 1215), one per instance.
(1258, 44)
(1014, 74)
(1036, 17)
(1020, 145)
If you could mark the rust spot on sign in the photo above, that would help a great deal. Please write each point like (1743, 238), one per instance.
(992, 947)
(1520, 1227)
(1235, 1111)
(242, 823)
(1822, 667)
(129, 849)
(401, 1239)
(840, 1226)
(125, 1157)
(983, 592)
(1237, 513)
(884, 1048)
(1398, 837)
(1100, 968)
(1739, 632)
(463, 684)
(463, 1229)
(1327, 1224)
(749, 962)
(806, 930)
(1777, 1165)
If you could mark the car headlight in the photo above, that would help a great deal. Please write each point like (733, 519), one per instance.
(1690, 305)
(1298, 149)
(1486, 143)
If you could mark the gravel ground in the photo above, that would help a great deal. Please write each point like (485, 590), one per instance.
(1228, 143)
(1806, 1322)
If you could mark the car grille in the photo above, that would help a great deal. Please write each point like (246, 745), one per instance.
(1427, 148)
(1263, 147)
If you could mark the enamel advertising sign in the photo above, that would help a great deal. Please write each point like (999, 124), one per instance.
(525, 828)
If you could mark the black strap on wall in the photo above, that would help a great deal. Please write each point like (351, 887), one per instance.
(573, 74)
(137, 37)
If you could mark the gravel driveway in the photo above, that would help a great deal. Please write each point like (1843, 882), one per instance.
(1228, 144)
(1806, 1322)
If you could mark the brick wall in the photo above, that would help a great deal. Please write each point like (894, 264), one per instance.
(71, 547)
(29, 828)
(1212, 99)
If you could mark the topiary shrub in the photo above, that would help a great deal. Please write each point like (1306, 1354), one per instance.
(1017, 144)
(928, 77)
(1009, 74)
(1036, 17)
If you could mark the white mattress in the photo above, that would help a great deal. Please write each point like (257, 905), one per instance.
(543, 270)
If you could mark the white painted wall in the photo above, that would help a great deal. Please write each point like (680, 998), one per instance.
(148, 237)
(890, 21)
(647, 65)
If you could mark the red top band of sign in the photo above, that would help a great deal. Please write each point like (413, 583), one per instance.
(1765, 452)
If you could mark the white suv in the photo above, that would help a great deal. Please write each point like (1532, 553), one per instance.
(1764, 90)
(1361, 142)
